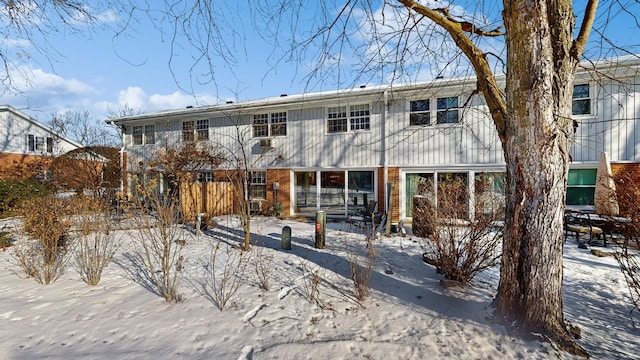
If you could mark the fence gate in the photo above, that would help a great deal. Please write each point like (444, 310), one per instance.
(211, 198)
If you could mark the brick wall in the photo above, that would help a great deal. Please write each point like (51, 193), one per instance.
(282, 176)
(394, 177)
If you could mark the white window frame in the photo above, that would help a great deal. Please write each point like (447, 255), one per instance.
(444, 110)
(143, 134)
(188, 131)
(343, 119)
(278, 123)
(40, 144)
(150, 134)
(258, 184)
(195, 130)
(588, 99)
(420, 112)
(137, 135)
(434, 112)
(260, 125)
(202, 130)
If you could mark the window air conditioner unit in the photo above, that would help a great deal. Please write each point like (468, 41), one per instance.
(255, 206)
(265, 143)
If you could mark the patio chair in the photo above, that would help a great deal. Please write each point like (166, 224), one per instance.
(580, 223)
(364, 217)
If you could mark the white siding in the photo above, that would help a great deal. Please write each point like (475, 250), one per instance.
(614, 124)
(472, 143)
(15, 128)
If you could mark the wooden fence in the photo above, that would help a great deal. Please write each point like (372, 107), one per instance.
(212, 198)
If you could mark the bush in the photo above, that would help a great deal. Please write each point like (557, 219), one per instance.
(13, 192)
(361, 268)
(627, 254)
(96, 244)
(459, 247)
(44, 257)
(159, 240)
(225, 272)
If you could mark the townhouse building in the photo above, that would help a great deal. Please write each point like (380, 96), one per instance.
(337, 150)
(23, 139)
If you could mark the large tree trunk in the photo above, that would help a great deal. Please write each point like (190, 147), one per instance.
(536, 148)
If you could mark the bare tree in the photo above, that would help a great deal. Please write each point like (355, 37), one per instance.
(80, 126)
(537, 43)
(27, 26)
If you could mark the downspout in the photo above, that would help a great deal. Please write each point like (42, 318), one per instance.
(383, 146)
(122, 173)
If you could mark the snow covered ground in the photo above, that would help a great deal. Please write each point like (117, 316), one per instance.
(408, 314)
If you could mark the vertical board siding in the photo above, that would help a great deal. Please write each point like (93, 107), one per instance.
(472, 141)
(613, 127)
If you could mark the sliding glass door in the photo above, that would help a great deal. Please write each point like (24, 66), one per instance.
(337, 192)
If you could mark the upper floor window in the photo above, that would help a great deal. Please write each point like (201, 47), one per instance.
(144, 134)
(419, 112)
(195, 130)
(202, 130)
(187, 131)
(150, 134)
(358, 118)
(274, 124)
(446, 111)
(581, 104)
(39, 143)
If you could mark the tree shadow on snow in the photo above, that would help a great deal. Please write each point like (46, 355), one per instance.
(412, 281)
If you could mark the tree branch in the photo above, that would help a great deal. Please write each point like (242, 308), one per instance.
(469, 27)
(487, 80)
(580, 42)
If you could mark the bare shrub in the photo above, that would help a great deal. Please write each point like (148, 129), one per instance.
(261, 264)
(361, 269)
(45, 257)
(316, 285)
(96, 244)
(457, 246)
(224, 272)
(158, 239)
(627, 256)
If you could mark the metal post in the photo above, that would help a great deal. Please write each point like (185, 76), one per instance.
(321, 223)
(286, 238)
(199, 217)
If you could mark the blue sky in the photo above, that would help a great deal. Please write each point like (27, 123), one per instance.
(99, 72)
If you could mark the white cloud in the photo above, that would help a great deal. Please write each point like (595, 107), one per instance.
(40, 93)
(171, 101)
(135, 97)
(16, 43)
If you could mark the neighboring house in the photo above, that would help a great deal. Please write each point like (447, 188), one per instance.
(23, 139)
(335, 150)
